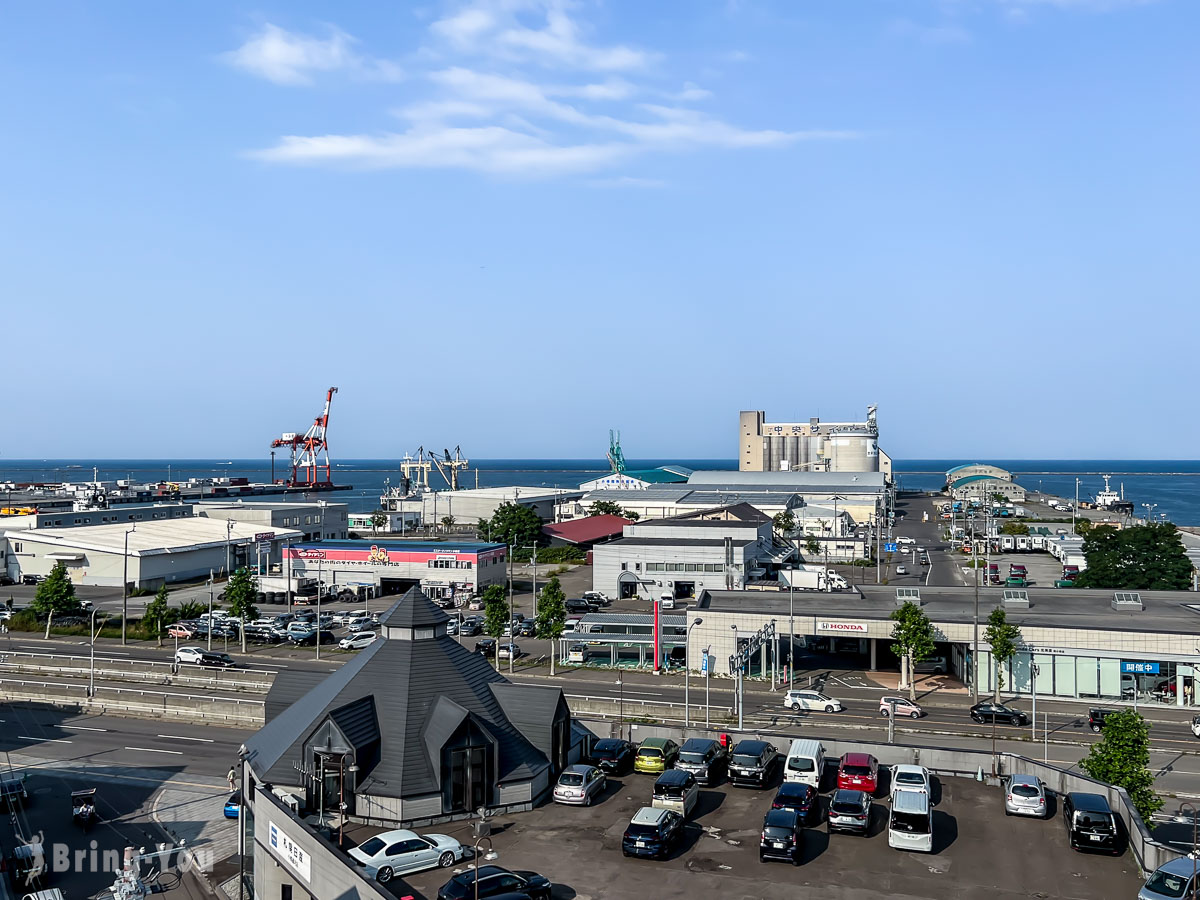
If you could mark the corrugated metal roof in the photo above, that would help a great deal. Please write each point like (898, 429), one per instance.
(632, 619)
(673, 542)
(582, 531)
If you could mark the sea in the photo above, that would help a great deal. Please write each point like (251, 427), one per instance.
(1160, 487)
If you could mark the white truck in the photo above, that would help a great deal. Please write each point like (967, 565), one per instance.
(814, 578)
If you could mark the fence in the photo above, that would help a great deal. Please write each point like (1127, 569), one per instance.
(134, 702)
(138, 670)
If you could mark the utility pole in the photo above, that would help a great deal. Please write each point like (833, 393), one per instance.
(210, 608)
(791, 635)
(975, 629)
(124, 585)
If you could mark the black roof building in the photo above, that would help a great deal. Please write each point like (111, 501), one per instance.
(415, 729)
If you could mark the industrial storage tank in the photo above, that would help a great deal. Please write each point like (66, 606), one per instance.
(853, 450)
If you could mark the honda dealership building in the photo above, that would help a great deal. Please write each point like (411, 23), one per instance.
(439, 568)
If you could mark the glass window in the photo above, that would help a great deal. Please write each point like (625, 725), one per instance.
(1110, 678)
(1087, 676)
(1064, 676)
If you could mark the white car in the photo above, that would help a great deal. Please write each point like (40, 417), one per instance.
(358, 623)
(798, 700)
(901, 570)
(399, 852)
(905, 540)
(357, 641)
(189, 655)
(909, 778)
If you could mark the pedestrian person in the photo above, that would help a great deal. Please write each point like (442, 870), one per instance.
(231, 777)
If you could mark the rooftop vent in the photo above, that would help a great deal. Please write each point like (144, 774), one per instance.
(1127, 601)
(908, 595)
(1016, 599)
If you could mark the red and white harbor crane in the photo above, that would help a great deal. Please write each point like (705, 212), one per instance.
(310, 451)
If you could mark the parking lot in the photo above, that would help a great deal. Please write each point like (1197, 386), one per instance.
(978, 852)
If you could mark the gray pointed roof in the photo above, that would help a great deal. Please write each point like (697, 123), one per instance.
(413, 610)
(416, 686)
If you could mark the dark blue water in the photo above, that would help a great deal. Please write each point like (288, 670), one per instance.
(1174, 485)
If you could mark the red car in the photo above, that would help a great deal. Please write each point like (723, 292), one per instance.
(858, 772)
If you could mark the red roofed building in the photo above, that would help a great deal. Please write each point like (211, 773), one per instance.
(586, 532)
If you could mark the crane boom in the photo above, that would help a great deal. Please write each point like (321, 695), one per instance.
(310, 451)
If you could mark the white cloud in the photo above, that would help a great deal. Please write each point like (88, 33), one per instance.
(503, 28)
(490, 105)
(285, 57)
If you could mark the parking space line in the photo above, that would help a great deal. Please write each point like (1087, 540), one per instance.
(80, 728)
(156, 750)
(184, 737)
(45, 740)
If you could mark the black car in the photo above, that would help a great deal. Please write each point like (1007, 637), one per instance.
(217, 660)
(1090, 822)
(612, 756)
(310, 639)
(754, 763)
(32, 579)
(6, 580)
(652, 832)
(577, 605)
(1096, 717)
(998, 713)
(525, 629)
(493, 882)
(704, 758)
(802, 799)
(470, 628)
(486, 646)
(782, 837)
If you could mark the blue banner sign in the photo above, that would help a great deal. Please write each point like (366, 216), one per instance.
(1139, 668)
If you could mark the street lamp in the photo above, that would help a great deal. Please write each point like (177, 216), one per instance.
(974, 625)
(125, 584)
(620, 683)
(489, 856)
(792, 634)
(687, 670)
(242, 754)
(92, 664)
(738, 696)
(229, 523)
(1075, 508)
(1181, 818)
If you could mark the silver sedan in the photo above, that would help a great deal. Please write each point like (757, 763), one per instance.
(1026, 796)
(579, 785)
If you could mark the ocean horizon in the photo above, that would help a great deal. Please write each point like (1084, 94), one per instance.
(1167, 486)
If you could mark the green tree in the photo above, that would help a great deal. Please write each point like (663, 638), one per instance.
(1143, 558)
(605, 508)
(1002, 636)
(912, 641)
(1083, 526)
(513, 524)
(784, 522)
(158, 614)
(56, 595)
(1014, 528)
(630, 515)
(1122, 757)
(447, 522)
(378, 520)
(496, 616)
(552, 616)
(812, 546)
(240, 594)
(191, 609)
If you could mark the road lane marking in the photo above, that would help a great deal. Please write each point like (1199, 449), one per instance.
(184, 737)
(25, 737)
(156, 750)
(80, 728)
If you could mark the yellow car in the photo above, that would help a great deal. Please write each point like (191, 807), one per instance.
(655, 755)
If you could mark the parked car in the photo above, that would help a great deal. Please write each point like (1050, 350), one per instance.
(935, 664)
(655, 755)
(6, 580)
(579, 785)
(1090, 822)
(987, 711)
(613, 756)
(189, 655)
(233, 805)
(1196, 726)
(181, 630)
(800, 798)
(470, 628)
(475, 604)
(798, 700)
(579, 605)
(782, 837)
(310, 640)
(358, 623)
(1170, 881)
(704, 758)
(676, 789)
(358, 640)
(754, 763)
(858, 772)
(850, 811)
(909, 778)
(528, 628)
(493, 881)
(452, 627)
(598, 597)
(904, 707)
(577, 653)
(652, 832)
(486, 646)
(1026, 796)
(32, 579)
(510, 649)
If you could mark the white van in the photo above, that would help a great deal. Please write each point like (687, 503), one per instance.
(667, 601)
(910, 823)
(805, 762)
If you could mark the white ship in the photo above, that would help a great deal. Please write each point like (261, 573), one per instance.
(1107, 498)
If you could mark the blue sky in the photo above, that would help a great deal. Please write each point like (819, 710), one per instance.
(514, 224)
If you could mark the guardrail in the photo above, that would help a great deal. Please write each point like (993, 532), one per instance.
(138, 670)
(201, 708)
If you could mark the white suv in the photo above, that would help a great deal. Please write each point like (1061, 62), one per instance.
(798, 700)
(189, 655)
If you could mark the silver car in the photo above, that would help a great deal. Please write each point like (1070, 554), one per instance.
(1026, 796)
(579, 785)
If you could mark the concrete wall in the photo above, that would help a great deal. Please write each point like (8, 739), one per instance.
(105, 568)
(608, 558)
